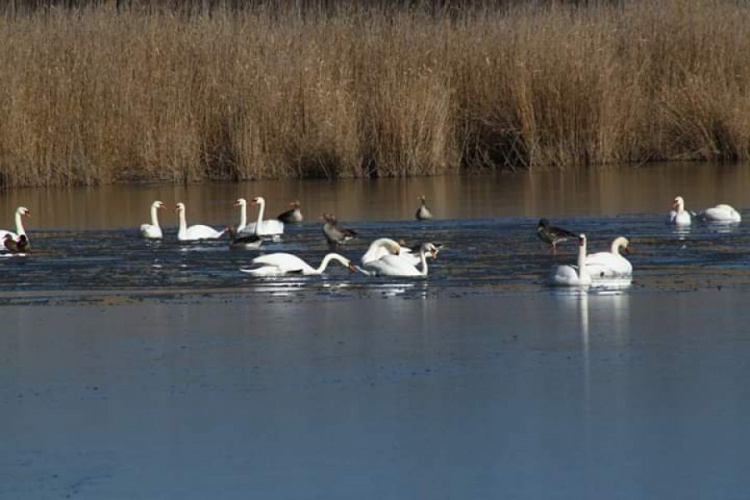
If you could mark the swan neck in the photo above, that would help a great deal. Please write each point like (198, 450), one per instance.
(243, 216)
(19, 224)
(582, 270)
(183, 221)
(154, 216)
(616, 245)
(423, 258)
(261, 210)
(328, 258)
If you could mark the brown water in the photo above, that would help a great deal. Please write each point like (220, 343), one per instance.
(604, 192)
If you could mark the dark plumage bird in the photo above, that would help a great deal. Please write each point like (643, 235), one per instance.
(23, 244)
(245, 241)
(334, 234)
(423, 213)
(10, 244)
(292, 216)
(552, 235)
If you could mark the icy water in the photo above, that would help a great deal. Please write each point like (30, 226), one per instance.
(133, 369)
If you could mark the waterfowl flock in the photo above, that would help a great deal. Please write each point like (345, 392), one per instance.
(384, 256)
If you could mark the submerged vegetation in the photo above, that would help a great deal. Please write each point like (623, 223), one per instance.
(123, 91)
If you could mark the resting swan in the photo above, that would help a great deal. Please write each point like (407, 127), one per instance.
(271, 227)
(720, 213)
(153, 230)
(610, 264)
(277, 264)
(387, 246)
(20, 211)
(572, 275)
(194, 233)
(678, 215)
(395, 265)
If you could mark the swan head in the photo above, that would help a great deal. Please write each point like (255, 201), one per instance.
(159, 205)
(621, 243)
(429, 249)
(581, 240)
(258, 200)
(240, 202)
(180, 207)
(23, 211)
(678, 203)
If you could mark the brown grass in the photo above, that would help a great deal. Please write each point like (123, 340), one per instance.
(97, 95)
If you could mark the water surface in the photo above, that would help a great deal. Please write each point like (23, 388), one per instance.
(140, 370)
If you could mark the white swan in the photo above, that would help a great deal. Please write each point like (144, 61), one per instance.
(194, 233)
(20, 212)
(380, 248)
(271, 227)
(720, 213)
(387, 246)
(610, 264)
(396, 265)
(678, 215)
(153, 230)
(277, 264)
(572, 275)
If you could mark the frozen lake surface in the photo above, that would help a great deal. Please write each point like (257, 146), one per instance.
(137, 370)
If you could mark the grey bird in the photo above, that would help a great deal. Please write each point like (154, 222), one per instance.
(423, 213)
(553, 235)
(335, 235)
(292, 216)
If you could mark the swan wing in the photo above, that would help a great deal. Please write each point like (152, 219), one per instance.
(565, 276)
(267, 228)
(150, 231)
(201, 232)
(3, 232)
(263, 271)
(679, 218)
(284, 262)
(393, 265)
(607, 263)
(720, 213)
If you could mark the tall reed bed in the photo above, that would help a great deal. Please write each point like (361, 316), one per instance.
(101, 94)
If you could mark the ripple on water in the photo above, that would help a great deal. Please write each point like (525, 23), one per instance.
(479, 256)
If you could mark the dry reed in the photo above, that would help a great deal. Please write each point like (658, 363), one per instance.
(97, 94)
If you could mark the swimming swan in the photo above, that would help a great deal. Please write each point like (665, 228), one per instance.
(720, 213)
(610, 264)
(678, 215)
(278, 264)
(572, 275)
(20, 211)
(387, 246)
(153, 231)
(396, 265)
(271, 227)
(194, 233)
